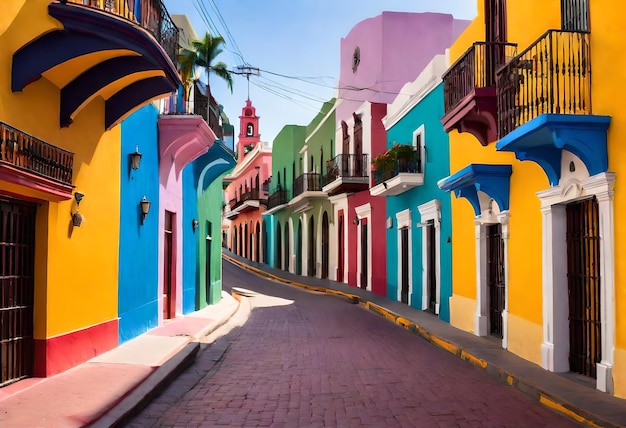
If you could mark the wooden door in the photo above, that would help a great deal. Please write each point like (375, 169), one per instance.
(495, 278)
(364, 253)
(583, 280)
(169, 270)
(404, 265)
(325, 245)
(17, 286)
(431, 265)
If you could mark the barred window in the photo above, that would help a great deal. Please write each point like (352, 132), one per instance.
(575, 15)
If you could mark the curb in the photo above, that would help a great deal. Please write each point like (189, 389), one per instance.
(531, 390)
(150, 388)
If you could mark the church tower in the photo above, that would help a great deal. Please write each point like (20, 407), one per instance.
(248, 129)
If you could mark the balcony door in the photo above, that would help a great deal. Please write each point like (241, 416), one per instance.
(495, 36)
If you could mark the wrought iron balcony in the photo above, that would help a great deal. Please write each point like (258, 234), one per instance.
(346, 173)
(149, 14)
(24, 154)
(248, 201)
(470, 103)
(307, 182)
(398, 175)
(278, 198)
(552, 75)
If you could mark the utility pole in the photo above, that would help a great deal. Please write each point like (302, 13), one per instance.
(247, 71)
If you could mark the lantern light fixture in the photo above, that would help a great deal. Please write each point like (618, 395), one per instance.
(145, 208)
(135, 158)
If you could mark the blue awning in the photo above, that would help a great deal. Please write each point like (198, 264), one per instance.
(542, 140)
(215, 162)
(494, 180)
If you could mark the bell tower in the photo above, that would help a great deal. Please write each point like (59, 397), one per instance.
(248, 129)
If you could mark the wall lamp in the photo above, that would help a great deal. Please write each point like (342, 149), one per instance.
(77, 218)
(135, 158)
(145, 208)
(356, 220)
(194, 224)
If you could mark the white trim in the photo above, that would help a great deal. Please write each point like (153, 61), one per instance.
(403, 219)
(431, 211)
(364, 212)
(555, 346)
(490, 214)
(421, 131)
(414, 92)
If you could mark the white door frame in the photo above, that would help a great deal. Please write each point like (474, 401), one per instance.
(555, 346)
(431, 211)
(403, 219)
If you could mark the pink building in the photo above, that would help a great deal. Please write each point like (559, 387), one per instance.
(378, 57)
(247, 191)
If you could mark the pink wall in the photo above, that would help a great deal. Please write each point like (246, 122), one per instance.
(395, 47)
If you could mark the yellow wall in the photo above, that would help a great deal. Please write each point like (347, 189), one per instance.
(527, 20)
(524, 257)
(76, 269)
(609, 93)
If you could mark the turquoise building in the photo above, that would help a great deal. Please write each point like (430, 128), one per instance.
(418, 212)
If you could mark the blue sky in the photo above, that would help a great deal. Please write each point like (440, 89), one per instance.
(295, 38)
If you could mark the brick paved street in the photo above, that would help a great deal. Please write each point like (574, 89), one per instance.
(307, 360)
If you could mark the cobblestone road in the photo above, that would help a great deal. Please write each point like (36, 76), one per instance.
(307, 360)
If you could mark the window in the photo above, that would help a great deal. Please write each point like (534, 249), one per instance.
(420, 149)
(575, 15)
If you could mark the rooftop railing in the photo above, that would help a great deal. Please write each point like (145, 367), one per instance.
(150, 14)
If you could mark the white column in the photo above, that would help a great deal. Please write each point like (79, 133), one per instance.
(604, 369)
(480, 319)
(503, 219)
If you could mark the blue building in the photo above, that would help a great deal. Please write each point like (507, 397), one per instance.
(418, 212)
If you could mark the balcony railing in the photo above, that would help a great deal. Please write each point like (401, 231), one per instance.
(346, 166)
(150, 14)
(553, 75)
(277, 198)
(307, 182)
(31, 154)
(410, 164)
(476, 68)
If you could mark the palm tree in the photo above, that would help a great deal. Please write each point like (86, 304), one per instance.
(203, 54)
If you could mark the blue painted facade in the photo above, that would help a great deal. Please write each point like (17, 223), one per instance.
(427, 112)
(138, 249)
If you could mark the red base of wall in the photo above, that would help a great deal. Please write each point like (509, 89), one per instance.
(57, 354)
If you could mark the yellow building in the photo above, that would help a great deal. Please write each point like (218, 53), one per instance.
(535, 148)
(71, 74)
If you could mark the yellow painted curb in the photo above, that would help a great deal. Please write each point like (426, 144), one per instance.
(474, 360)
(565, 411)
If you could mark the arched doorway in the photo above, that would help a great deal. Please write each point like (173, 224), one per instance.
(286, 248)
(251, 242)
(257, 246)
(234, 240)
(278, 263)
(245, 241)
(311, 261)
(239, 252)
(340, 248)
(264, 242)
(299, 250)
(325, 244)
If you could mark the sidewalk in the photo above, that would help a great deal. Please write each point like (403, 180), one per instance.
(102, 391)
(565, 393)
(108, 387)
